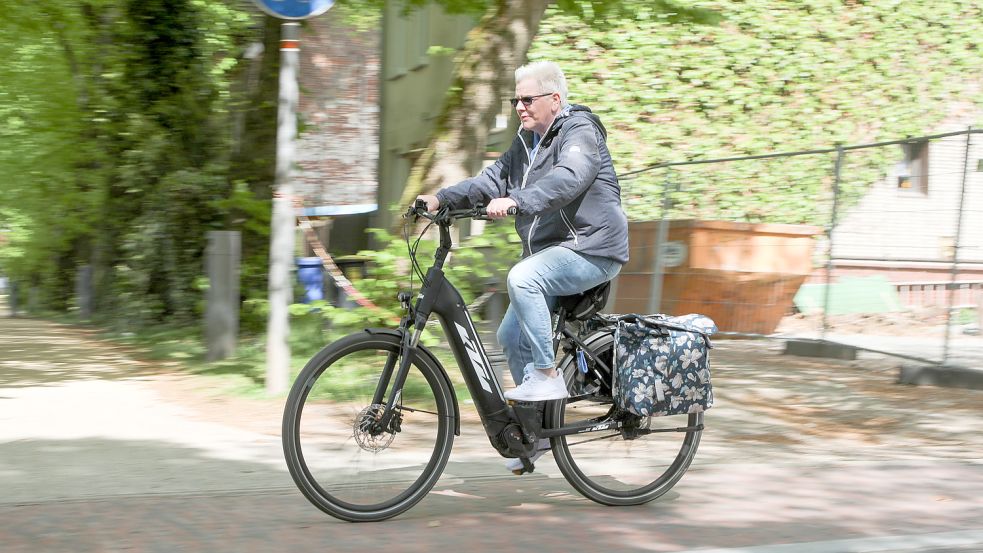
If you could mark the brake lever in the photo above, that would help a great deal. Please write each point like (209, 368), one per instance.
(417, 210)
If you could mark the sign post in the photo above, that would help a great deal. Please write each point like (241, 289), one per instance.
(283, 222)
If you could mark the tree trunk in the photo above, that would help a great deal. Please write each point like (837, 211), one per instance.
(483, 78)
(254, 141)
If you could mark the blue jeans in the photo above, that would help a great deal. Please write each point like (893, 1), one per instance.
(526, 333)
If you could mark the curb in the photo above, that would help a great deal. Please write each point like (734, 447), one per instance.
(950, 376)
(820, 348)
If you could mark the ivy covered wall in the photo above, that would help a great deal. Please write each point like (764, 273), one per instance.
(770, 77)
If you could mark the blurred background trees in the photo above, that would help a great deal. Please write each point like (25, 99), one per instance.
(115, 119)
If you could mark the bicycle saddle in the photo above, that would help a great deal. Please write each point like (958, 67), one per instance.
(586, 304)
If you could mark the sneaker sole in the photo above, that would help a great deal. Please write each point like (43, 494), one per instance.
(537, 399)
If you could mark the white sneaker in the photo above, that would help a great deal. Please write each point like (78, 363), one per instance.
(536, 386)
(515, 464)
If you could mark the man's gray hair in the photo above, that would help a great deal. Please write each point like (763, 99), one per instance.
(548, 75)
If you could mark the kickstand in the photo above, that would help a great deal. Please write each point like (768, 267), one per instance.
(527, 466)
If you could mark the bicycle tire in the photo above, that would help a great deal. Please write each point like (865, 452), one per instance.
(366, 476)
(614, 470)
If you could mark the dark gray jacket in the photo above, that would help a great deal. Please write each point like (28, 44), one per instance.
(569, 196)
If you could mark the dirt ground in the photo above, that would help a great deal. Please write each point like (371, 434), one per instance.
(764, 398)
(910, 322)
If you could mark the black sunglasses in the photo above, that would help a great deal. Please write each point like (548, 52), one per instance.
(526, 100)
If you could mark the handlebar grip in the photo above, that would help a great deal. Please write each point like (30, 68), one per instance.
(481, 212)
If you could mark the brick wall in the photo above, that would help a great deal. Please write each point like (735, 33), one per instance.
(338, 146)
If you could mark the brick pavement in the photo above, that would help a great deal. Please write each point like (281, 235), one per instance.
(710, 508)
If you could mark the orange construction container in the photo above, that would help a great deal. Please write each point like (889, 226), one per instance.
(742, 275)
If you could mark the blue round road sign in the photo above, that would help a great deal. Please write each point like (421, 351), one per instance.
(294, 9)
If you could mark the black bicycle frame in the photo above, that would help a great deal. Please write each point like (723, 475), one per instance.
(438, 296)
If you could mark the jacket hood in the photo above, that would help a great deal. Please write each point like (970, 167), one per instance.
(577, 110)
(572, 110)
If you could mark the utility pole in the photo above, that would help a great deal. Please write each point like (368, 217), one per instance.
(282, 225)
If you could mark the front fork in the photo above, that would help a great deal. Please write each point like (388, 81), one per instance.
(409, 338)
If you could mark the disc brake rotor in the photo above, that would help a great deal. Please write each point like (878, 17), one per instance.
(366, 431)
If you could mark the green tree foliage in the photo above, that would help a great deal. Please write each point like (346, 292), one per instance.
(41, 198)
(114, 118)
(770, 77)
(478, 263)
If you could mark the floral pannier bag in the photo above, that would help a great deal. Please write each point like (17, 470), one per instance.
(662, 364)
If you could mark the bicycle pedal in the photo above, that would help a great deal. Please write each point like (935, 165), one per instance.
(523, 470)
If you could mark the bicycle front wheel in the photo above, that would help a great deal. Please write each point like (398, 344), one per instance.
(345, 463)
(615, 467)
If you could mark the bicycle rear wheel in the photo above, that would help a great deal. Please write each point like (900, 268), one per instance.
(616, 467)
(343, 463)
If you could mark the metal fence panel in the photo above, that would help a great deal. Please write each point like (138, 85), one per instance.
(891, 259)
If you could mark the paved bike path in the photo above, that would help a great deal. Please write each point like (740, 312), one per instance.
(102, 452)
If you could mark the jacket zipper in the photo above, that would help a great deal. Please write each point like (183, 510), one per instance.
(525, 177)
(570, 227)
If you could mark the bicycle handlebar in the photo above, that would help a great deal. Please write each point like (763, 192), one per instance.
(445, 216)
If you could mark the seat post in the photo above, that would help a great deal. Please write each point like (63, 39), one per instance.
(586, 304)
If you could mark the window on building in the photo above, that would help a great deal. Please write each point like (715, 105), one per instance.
(913, 169)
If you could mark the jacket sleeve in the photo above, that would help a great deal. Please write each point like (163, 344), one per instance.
(487, 185)
(577, 165)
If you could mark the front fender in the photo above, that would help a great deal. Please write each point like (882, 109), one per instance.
(441, 371)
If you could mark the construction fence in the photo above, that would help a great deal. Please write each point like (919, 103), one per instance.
(881, 248)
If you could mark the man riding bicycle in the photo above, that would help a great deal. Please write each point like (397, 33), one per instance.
(559, 176)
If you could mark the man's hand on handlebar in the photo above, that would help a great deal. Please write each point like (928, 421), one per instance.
(432, 202)
(501, 207)
(497, 209)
